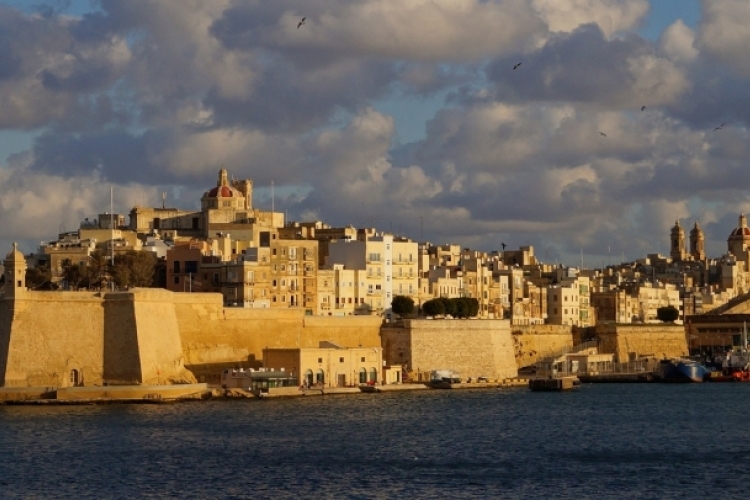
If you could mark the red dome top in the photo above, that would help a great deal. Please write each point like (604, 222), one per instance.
(741, 231)
(226, 192)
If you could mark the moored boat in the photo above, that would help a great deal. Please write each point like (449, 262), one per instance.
(681, 370)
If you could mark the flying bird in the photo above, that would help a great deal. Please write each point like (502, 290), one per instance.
(603, 134)
(643, 108)
(301, 22)
(516, 65)
(719, 127)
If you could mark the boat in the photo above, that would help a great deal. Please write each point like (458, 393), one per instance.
(681, 370)
(735, 367)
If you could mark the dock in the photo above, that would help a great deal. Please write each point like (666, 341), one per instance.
(553, 384)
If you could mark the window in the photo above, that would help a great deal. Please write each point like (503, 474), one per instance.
(362, 359)
(362, 376)
(341, 360)
(191, 266)
(176, 280)
(320, 360)
(176, 267)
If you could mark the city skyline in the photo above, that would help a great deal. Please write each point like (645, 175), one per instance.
(408, 117)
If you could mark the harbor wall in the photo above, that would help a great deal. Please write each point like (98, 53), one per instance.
(532, 342)
(215, 338)
(471, 348)
(629, 341)
(61, 339)
(45, 336)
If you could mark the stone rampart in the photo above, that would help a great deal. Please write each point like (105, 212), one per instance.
(633, 341)
(60, 339)
(532, 342)
(45, 336)
(472, 348)
(215, 338)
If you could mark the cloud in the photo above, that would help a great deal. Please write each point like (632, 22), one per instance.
(611, 16)
(724, 33)
(152, 96)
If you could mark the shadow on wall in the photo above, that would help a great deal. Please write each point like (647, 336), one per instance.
(6, 320)
(122, 360)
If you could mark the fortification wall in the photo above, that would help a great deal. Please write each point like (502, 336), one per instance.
(472, 348)
(158, 338)
(215, 338)
(633, 341)
(114, 338)
(46, 335)
(532, 342)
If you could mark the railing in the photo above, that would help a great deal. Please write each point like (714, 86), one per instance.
(564, 368)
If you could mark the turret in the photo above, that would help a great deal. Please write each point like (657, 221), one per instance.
(15, 273)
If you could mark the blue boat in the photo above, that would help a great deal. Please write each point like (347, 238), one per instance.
(681, 370)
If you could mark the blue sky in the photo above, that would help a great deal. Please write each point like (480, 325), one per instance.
(407, 115)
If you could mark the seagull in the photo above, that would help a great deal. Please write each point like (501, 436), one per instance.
(643, 108)
(603, 134)
(516, 65)
(301, 22)
(719, 127)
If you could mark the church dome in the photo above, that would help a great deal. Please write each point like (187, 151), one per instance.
(223, 188)
(223, 192)
(14, 255)
(742, 231)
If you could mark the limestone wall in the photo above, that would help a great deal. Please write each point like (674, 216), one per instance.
(118, 338)
(44, 336)
(158, 336)
(215, 338)
(532, 342)
(632, 341)
(472, 348)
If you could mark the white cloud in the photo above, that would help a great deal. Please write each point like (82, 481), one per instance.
(678, 42)
(611, 16)
(725, 32)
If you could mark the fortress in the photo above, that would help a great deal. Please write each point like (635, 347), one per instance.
(146, 336)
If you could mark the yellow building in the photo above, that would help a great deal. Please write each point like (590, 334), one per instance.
(328, 365)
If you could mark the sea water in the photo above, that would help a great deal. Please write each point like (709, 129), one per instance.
(654, 441)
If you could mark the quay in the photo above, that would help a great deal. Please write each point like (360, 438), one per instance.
(616, 378)
(553, 384)
(135, 394)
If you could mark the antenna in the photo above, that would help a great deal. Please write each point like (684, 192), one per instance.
(163, 198)
(272, 198)
(112, 235)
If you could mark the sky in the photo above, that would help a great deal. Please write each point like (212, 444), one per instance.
(405, 115)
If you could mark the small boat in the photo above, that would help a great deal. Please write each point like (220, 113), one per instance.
(681, 370)
(735, 367)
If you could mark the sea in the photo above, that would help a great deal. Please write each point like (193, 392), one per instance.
(599, 441)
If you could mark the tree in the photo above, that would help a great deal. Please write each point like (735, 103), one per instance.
(667, 314)
(402, 305)
(449, 306)
(433, 308)
(97, 269)
(466, 307)
(39, 278)
(73, 274)
(134, 269)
